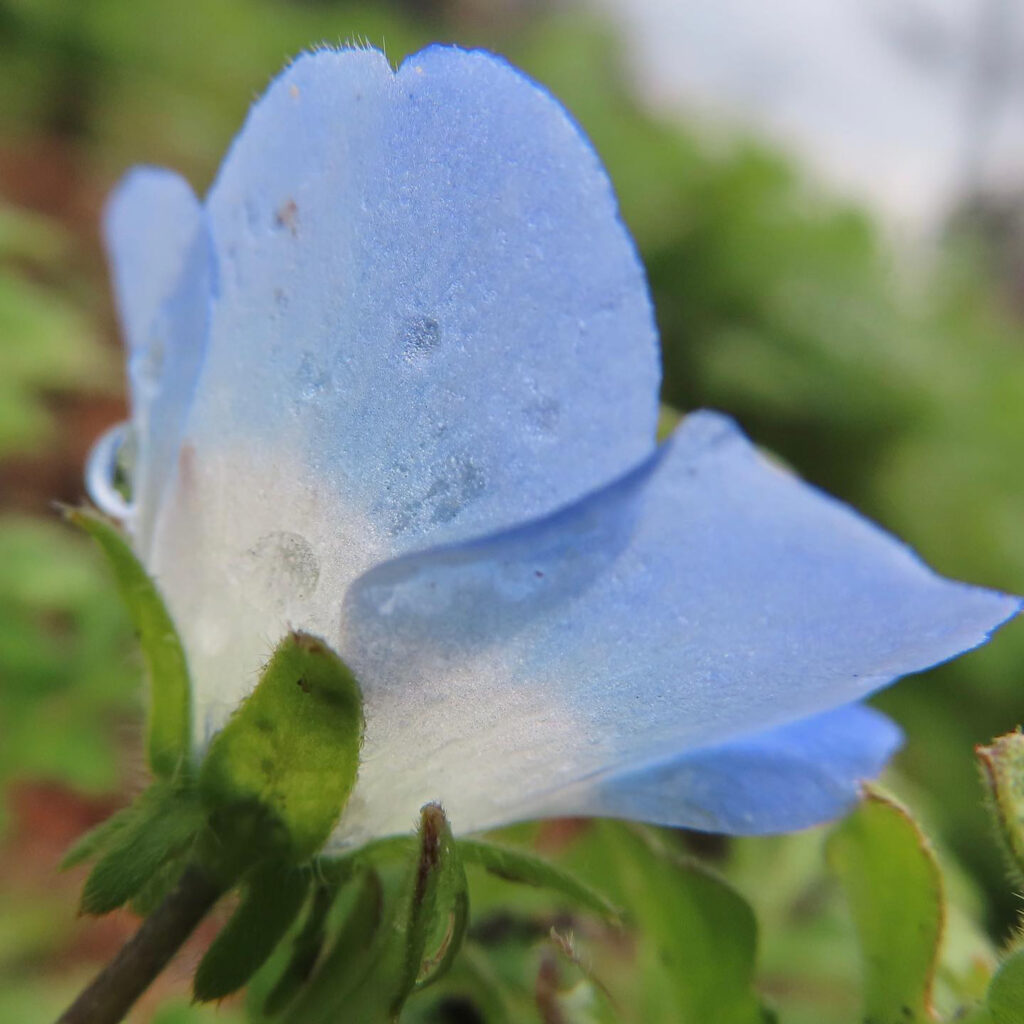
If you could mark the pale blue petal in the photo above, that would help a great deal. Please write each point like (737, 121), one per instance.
(427, 323)
(784, 779)
(149, 223)
(707, 596)
(426, 297)
(160, 259)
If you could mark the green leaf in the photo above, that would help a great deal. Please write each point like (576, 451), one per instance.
(1005, 1000)
(170, 722)
(894, 887)
(291, 750)
(165, 822)
(1003, 772)
(527, 868)
(696, 940)
(273, 898)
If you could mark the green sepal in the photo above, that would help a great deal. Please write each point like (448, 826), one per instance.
(169, 739)
(274, 895)
(443, 907)
(289, 753)
(165, 822)
(894, 888)
(1005, 999)
(351, 976)
(527, 868)
(161, 883)
(1003, 772)
(99, 838)
(304, 951)
(423, 924)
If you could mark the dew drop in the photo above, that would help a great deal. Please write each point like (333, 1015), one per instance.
(543, 414)
(311, 378)
(252, 214)
(281, 568)
(147, 364)
(108, 471)
(420, 336)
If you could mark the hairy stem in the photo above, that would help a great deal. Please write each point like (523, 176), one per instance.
(114, 990)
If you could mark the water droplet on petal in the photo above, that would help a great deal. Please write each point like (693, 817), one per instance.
(420, 336)
(280, 569)
(108, 472)
(311, 378)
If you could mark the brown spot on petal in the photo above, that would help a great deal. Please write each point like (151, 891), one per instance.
(288, 217)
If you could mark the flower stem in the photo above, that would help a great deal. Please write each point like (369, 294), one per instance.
(114, 990)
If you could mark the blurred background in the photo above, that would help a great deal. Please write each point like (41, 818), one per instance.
(828, 199)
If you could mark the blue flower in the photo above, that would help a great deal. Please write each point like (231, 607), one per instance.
(395, 383)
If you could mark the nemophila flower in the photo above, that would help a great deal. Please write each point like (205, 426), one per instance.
(395, 383)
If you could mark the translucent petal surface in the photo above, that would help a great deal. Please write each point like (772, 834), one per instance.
(428, 323)
(786, 778)
(160, 258)
(706, 597)
(429, 296)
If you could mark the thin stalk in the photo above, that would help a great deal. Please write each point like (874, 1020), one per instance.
(113, 992)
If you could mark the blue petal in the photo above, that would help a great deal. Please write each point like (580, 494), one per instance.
(706, 597)
(429, 296)
(160, 258)
(784, 779)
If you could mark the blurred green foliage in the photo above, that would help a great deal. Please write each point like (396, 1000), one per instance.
(895, 381)
(68, 676)
(51, 345)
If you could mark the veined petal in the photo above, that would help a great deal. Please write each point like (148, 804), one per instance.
(428, 323)
(786, 778)
(712, 595)
(160, 260)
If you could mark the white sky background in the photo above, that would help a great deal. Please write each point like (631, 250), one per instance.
(897, 102)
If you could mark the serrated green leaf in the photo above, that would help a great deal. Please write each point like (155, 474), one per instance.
(98, 839)
(1003, 772)
(1005, 999)
(292, 747)
(274, 895)
(166, 823)
(526, 868)
(894, 887)
(169, 740)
